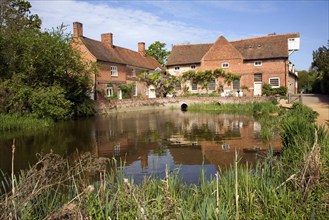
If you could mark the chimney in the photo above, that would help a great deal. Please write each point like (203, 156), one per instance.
(77, 29)
(141, 48)
(107, 39)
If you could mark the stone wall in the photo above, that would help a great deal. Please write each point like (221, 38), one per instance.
(104, 106)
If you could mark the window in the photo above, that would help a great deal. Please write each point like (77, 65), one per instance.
(176, 67)
(135, 90)
(257, 63)
(225, 65)
(274, 82)
(291, 39)
(211, 85)
(192, 67)
(236, 84)
(114, 71)
(178, 86)
(109, 91)
(258, 77)
(194, 86)
(133, 72)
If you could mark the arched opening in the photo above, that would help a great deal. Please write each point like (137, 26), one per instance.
(183, 107)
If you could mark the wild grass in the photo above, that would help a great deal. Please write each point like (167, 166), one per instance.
(247, 108)
(11, 122)
(294, 186)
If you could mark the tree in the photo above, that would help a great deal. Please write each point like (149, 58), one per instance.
(164, 84)
(158, 51)
(320, 65)
(40, 73)
(306, 80)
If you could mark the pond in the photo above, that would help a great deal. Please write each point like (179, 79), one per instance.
(147, 141)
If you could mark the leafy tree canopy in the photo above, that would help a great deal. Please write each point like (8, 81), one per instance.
(320, 64)
(40, 73)
(158, 51)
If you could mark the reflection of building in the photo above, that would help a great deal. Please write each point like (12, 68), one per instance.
(189, 138)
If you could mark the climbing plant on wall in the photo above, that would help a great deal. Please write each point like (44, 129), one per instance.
(203, 77)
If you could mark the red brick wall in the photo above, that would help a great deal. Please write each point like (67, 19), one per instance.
(269, 69)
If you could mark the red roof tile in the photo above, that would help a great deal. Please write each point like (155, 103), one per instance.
(266, 47)
(119, 55)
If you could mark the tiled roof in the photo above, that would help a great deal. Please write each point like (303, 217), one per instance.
(270, 46)
(119, 55)
(187, 53)
(222, 50)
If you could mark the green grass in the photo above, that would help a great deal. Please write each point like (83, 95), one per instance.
(10, 122)
(247, 108)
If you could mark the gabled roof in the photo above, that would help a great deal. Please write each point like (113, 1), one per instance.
(270, 46)
(221, 50)
(119, 55)
(266, 47)
(187, 53)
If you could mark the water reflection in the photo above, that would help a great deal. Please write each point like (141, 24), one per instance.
(147, 141)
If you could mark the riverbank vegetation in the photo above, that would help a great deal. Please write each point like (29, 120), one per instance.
(293, 186)
(41, 75)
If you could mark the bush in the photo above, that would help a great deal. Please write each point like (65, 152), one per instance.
(50, 102)
(269, 91)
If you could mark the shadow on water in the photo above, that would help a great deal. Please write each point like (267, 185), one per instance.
(147, 141)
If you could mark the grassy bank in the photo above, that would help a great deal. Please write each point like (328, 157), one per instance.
(294, 186)
(9, 122)
(245, 108)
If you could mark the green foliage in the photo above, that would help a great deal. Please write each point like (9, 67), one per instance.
(164, 84)
(127, 90)
(204, 77)
(15, 122)
(158, 51)
(307, 81)
(320, 65)
(269, 91)
(50, 102)
(32, 61)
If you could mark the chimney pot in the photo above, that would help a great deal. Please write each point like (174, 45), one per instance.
(141, 48)
(107, 39)
(77, 29)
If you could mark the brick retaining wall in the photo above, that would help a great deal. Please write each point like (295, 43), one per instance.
(104, 106)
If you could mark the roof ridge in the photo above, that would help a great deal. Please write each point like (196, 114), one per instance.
(191, 44)
(265, 36)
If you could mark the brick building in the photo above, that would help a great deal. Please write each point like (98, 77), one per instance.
(115, 65)
(257, 60)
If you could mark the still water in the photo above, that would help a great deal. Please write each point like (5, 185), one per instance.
(148, 141)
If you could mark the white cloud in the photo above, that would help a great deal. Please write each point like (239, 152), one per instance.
(128, 26)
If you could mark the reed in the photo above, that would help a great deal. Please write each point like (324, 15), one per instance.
(10, 122)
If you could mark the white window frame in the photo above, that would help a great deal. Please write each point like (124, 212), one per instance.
(193, 67)
(176, 67)
(133, 72)
(114, 71)
(135, 91)
(225, 65)
(269, 82)
(109, 91)
(258, 63)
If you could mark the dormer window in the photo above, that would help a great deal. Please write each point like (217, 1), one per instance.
(257, 63)
(176, 67)
(225, 65)
(193, 67)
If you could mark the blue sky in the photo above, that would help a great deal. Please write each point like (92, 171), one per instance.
(177, 22)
